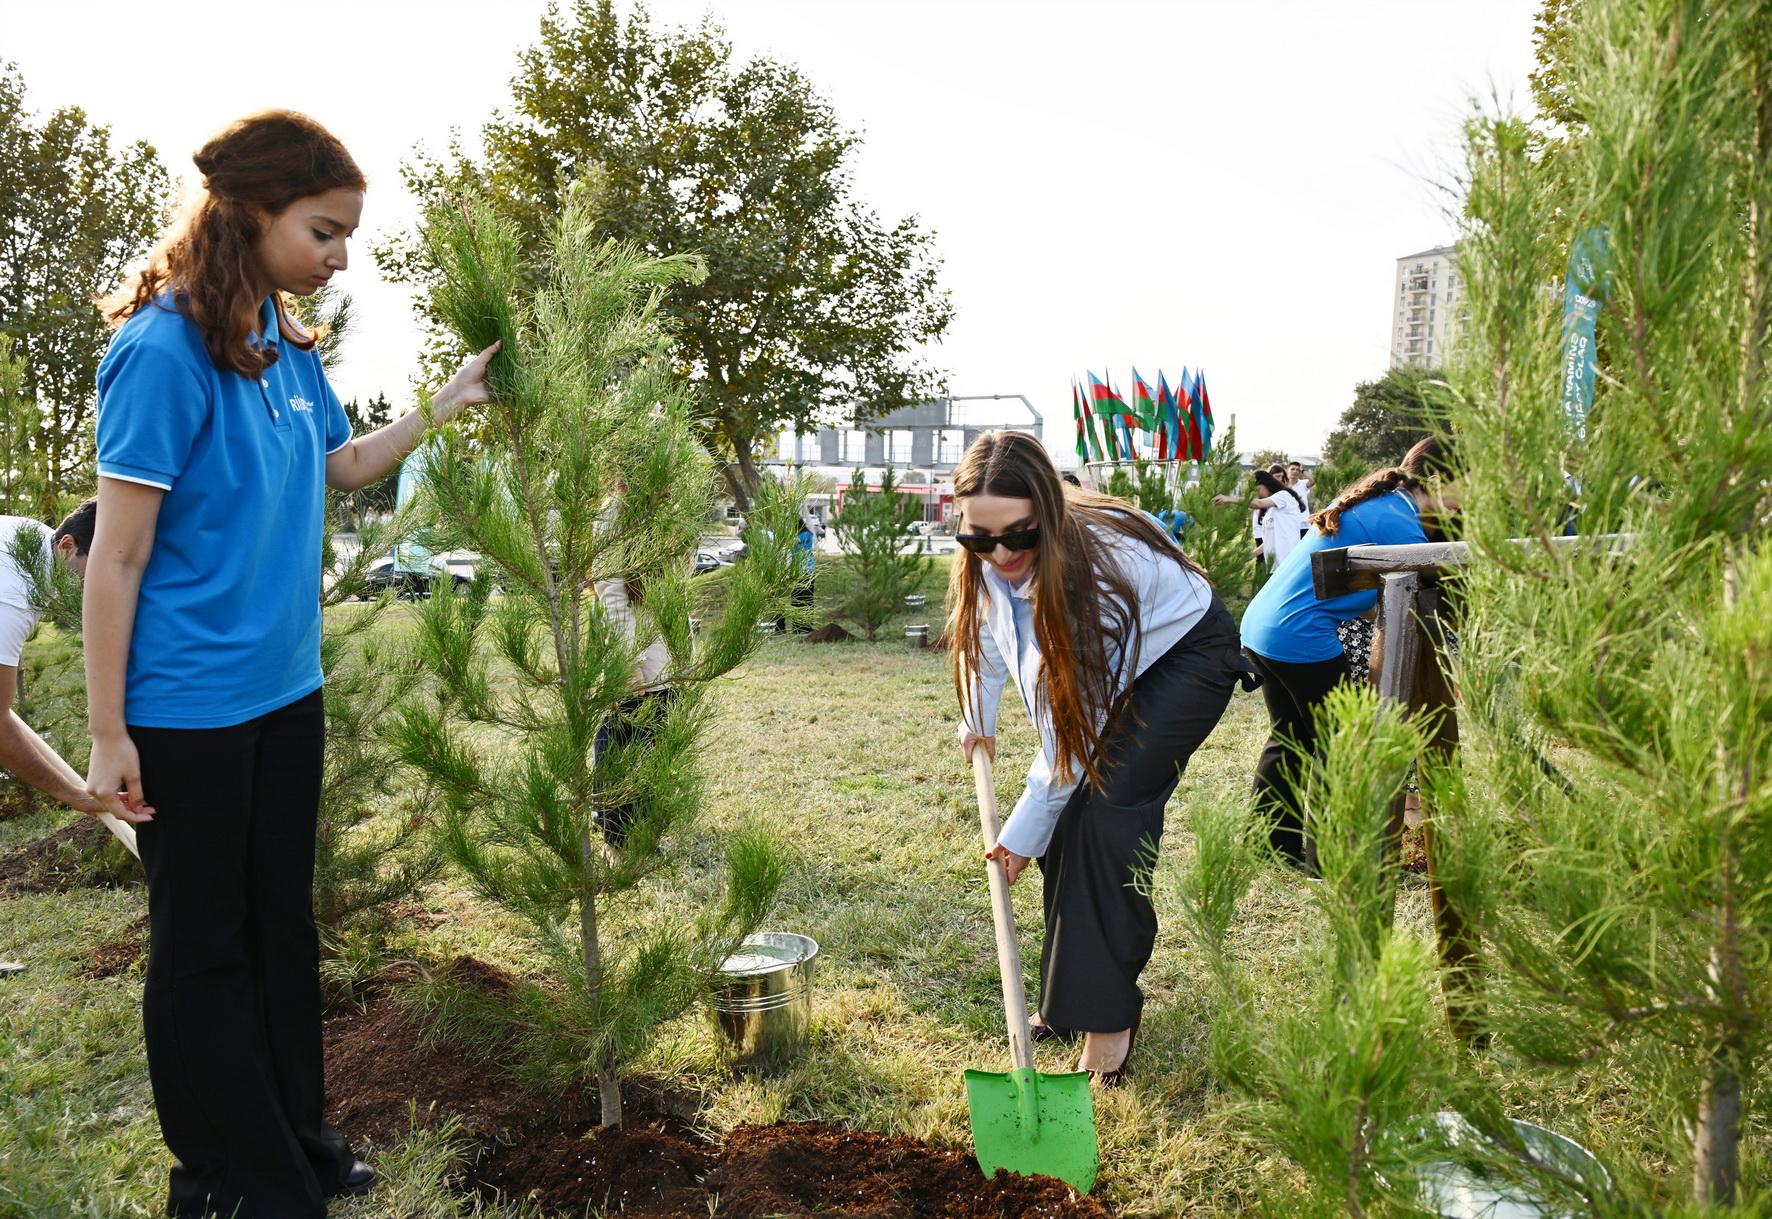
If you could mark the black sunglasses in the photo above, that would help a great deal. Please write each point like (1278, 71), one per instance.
(1015, 539)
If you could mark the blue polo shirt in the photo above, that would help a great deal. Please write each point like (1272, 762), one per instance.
(227, 626)
(1286, 622)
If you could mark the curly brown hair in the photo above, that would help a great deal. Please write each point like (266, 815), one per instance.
(208, 260)
(1085, 606)
(1428, 456)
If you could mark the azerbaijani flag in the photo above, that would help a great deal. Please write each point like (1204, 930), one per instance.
(1091, 437)
(1205, 414)
(1103, 397)
(1190, 394)
(1144, 403)
(1168, 435)
(1128, 421)
(1077, 414)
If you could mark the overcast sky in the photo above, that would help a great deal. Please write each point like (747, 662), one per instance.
(1217, 183)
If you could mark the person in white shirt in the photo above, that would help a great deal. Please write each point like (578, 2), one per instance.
(1145, 659)
(1298, 478)
(1281, 512)
(24, 754)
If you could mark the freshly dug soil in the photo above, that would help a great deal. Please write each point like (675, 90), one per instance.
(119, 955)
(547, 1150)
(830, 632)
(82, 855)
(813, 1168)
(1414, 852)
(381, 1058)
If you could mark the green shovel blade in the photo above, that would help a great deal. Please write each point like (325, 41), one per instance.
(1028, 1122)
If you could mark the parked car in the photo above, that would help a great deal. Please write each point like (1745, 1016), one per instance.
(409, 584)
(706, 561)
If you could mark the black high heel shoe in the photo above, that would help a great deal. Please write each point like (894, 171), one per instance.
(1045, 1032)
(1116, 1077)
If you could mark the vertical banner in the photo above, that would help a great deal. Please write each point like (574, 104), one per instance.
(1584, 294)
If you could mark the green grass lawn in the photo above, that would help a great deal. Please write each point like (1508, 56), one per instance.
(847, 753)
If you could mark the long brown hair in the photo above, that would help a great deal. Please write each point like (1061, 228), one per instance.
(208, 260)
(1428, 456)
(1085, 606)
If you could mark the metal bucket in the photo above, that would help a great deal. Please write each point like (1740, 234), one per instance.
(762, 1003)
(1456, 1190)
(916, 600)
(918, 634)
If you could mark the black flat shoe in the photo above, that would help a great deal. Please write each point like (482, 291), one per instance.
(1116, 1077)
(355, 1183)
(1045, 1032)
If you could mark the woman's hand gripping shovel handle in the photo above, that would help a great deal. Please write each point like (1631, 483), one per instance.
(1015, 1003)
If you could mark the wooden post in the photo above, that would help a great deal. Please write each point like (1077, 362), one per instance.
(1410, 670)
(1397, 644)
(1460, 964)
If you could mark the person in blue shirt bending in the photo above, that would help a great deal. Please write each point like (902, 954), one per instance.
(217, 438)
(1125, 659)
(1291, 636)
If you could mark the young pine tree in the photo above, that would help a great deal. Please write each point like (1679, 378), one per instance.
(374, 843)
(1627, 890)
(1219, 539)
(591, 475)
(873, 529)
(1341, 1076)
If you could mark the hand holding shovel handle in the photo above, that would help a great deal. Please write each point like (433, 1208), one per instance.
(1015, 1003)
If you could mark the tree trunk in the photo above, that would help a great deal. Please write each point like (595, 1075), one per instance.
(741, 499)
(1717, 1166)
(608, 1078)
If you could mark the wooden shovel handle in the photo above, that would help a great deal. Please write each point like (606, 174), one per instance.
(1015, 1002)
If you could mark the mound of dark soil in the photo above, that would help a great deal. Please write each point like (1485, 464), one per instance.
(119, 955)
(382, 1068)
(385, 1068)
(812, 1168)
(830, 632)
(81, 855)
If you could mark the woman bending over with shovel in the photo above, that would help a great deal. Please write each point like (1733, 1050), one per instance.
(1125, 659)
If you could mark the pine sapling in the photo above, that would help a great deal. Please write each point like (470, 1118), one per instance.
(583, 475)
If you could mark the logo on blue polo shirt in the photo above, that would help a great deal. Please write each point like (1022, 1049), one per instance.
(299, 403)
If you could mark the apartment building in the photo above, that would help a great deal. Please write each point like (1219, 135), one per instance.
(1425, 307)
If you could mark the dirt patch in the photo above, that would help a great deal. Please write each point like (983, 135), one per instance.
(82, 855)
(385, 1069)
(381, 1070)
(119, 955)
(636, 1170)
(1414, 851)
(830, 632)
(811, 1167)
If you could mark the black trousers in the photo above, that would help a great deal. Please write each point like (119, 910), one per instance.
(1293, 692)
(635, 720)
(1100, 928)
(800, 599)
(231, 1005)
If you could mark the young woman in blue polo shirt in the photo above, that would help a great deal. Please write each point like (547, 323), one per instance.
(1291, 636)
(1125, 659)
(217, 437)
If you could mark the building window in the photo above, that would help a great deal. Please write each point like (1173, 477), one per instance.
(853, 447)
(950, 445)
(900, 453)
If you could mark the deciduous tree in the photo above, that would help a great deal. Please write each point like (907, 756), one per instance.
(813, 307)
(75, 210)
